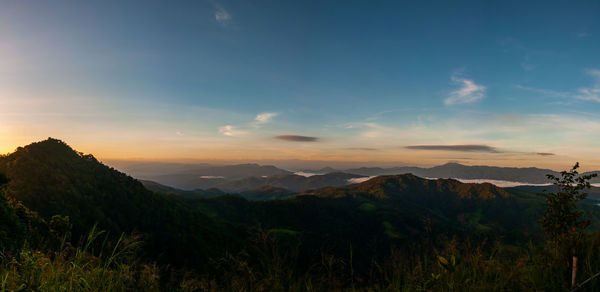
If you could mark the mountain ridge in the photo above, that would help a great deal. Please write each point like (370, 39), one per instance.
(532, 175)
(207, 176)
(379, 187)
(52, 178)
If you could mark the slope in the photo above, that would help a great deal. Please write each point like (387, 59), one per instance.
(49, 177)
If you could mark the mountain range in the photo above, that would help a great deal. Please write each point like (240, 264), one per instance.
(248, 177)
(192, 228)
(530, 175)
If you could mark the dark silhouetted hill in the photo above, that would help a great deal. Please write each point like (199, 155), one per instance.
(50, 178)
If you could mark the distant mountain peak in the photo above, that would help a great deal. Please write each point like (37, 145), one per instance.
(452, 164)
(247, 164)
(409, 185)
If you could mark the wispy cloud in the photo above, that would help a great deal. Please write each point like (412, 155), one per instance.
(222, 16)
(296, 138)
(545, 154)
(468, 92)
(546, 92)
(247, 128)
(527, 64)
(264, 118)
(461, 148)
(231, 131)
(591, 93)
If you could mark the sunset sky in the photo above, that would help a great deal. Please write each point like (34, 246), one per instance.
(503, 83)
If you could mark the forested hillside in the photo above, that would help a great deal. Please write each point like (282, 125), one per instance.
(50, 178)
(388, 233)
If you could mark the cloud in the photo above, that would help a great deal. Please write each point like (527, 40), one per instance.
(546, 92)
(526, 64)
(591, 93)
(221, 15)
(231, 131)
(468, 92)
(358, 180)
(264, 118)
(545, 154)
(295, 138)
(461, 148)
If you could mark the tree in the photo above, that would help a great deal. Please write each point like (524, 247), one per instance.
(562, 221)
(12, 231)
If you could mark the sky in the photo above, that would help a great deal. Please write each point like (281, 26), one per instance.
(507, 83)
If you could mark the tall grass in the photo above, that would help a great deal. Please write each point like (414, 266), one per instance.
(91, 266)
(270, 263)
(458, 266)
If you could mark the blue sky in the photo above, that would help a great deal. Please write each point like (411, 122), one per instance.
(223, 79)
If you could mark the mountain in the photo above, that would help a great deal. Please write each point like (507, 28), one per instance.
(206, 232)
(399, 211)
(411, 187)
(454, 170)
(262, 193)
(266, 193)
(240, 171)
(323, 170)
(194, 194)
(456, 204)
(144, 169)
(245, 177)
(50, 178)
(290, 182)
(201, 176)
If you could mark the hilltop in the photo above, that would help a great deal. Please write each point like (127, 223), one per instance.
(50, 178)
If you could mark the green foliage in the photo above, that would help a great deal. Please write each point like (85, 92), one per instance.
(110, 267)
(267, 263)
(12, 231)
(562, 221)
